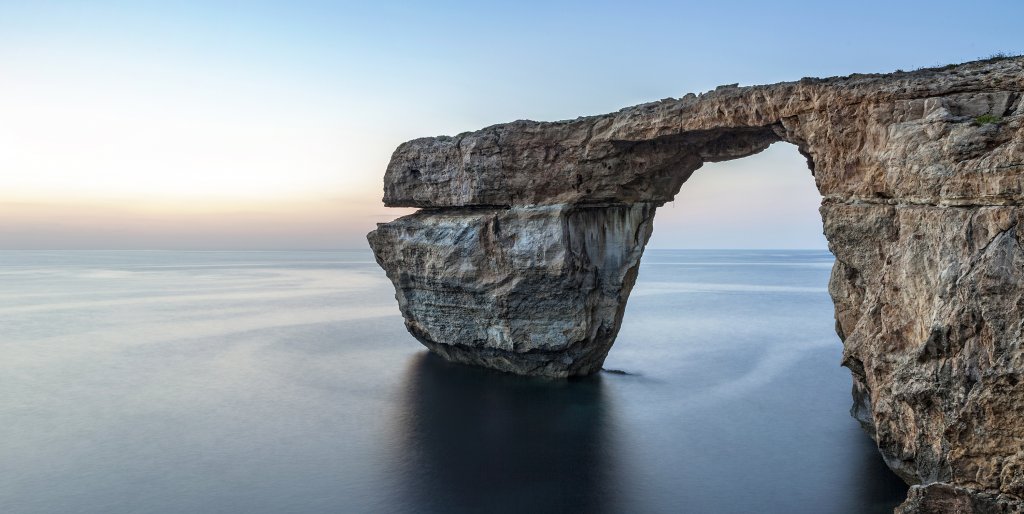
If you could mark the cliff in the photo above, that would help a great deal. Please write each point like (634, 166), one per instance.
(530, 234)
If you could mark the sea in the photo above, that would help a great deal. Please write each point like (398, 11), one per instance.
(285, 382)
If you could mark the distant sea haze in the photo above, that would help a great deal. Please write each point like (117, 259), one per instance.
(285, 382)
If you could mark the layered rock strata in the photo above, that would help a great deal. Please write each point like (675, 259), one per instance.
(530, 234)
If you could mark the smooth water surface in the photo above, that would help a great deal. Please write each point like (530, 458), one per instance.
(285, 382)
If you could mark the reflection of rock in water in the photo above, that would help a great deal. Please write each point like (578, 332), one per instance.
(480, 441)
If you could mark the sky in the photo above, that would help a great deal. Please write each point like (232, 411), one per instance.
(268, 125)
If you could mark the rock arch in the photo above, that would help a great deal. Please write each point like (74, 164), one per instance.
(529, 237)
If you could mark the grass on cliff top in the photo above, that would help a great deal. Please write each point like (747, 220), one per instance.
(996, 57)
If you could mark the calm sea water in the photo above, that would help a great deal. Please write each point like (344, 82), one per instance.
(285, 382)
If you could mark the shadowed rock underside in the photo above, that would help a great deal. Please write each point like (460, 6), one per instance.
(530, 235)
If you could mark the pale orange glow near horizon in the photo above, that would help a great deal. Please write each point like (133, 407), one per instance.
(167, 157)
(298, 224)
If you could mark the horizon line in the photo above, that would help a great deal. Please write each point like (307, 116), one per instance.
(333, 249)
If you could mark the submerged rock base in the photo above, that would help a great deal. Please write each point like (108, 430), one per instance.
(530, 235)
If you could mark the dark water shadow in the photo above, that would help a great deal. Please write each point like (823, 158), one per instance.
(474, 440)
(878, 487)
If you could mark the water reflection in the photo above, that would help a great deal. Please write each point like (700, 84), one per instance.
(481, 441)
(255, 390)
(472, 440)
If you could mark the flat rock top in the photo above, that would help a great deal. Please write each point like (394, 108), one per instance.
(529, 162)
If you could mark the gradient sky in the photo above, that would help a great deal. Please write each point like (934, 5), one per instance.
(268, 125)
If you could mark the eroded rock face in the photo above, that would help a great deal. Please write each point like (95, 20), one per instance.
(536, 290)
(530, 235)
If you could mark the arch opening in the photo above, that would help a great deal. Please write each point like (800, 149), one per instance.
(762, 201)
(732, 340)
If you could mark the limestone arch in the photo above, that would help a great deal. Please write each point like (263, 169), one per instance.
(526, 245)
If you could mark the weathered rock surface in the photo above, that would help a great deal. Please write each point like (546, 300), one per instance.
(530, 235)
(533, 290)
